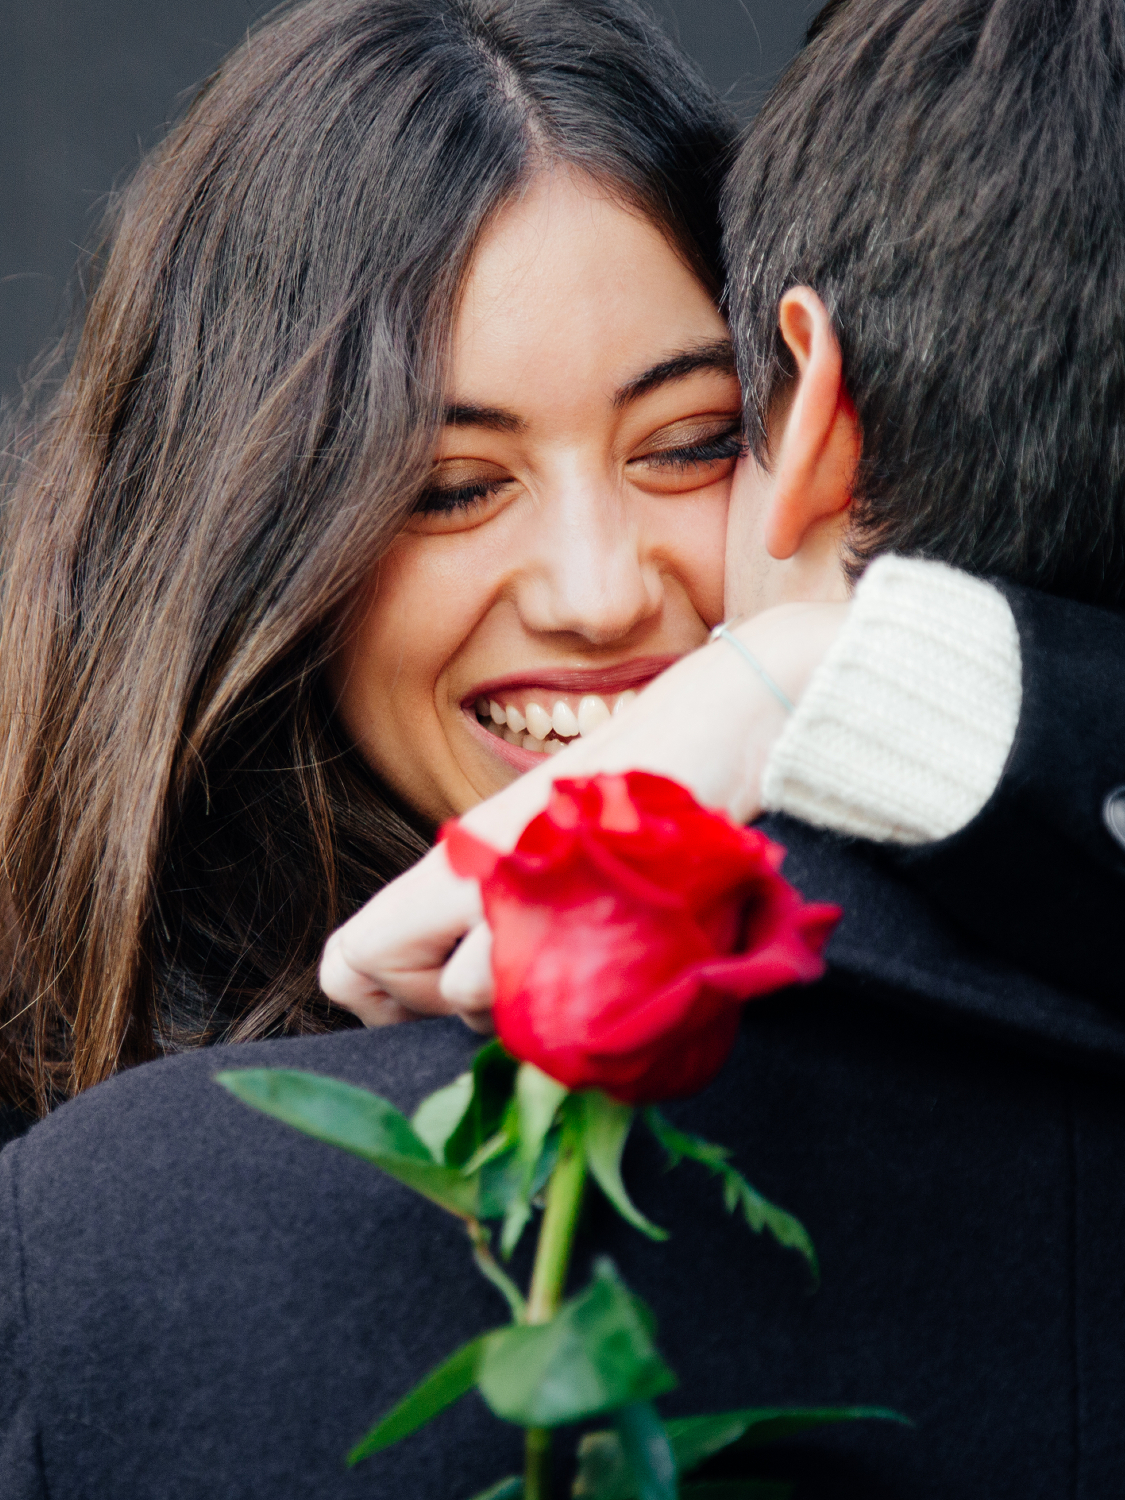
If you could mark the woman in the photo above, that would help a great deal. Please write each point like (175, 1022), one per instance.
(248, 422)
(402, 406)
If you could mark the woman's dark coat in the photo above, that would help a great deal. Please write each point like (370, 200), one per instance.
(197, 1302)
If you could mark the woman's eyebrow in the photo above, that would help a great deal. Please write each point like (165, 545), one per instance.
(496, 418)
(718, 355)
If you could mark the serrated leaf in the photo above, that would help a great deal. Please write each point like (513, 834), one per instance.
(680, 1146)
(761, 1214)
(594, 1356)
(647, 1451)
(757, 1210)
(494, 1077)
(507, 1489)
(357, 1121)
(605, 1126)
(452, 1379)
(439, 1114)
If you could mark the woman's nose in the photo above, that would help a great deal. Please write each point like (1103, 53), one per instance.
(591, 573)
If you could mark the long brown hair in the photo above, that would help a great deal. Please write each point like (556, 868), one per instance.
(246, 420)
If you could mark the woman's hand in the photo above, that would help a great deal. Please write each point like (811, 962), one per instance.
(709, 723)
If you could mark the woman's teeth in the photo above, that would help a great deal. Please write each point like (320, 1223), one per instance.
(534, 727)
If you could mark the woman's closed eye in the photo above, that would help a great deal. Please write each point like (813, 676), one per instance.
(689, 454)
(460, 493)
(684, 455)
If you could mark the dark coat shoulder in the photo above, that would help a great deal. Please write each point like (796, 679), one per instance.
(1039, 875)
(195, 1300)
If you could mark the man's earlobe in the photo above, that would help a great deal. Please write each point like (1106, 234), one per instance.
(818, 447)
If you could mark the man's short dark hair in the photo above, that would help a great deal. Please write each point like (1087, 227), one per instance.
(949, 177)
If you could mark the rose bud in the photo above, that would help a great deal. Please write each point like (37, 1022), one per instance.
(629, 926)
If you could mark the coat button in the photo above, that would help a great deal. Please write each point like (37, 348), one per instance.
(1113, 815)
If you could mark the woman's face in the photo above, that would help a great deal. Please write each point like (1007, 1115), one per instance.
(570, 543)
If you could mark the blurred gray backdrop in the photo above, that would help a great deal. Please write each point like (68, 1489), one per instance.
(87, 85)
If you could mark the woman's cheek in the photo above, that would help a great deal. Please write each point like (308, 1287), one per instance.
(696, 540)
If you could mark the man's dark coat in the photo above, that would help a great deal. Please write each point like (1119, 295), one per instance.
(198, 1302)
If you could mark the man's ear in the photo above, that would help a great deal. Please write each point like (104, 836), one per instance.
(817, 447)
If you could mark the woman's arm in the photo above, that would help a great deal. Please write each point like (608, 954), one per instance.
(974, 734)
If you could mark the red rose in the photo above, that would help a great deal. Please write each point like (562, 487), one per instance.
(629, 926)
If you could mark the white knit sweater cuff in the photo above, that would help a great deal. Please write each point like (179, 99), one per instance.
(905, 728)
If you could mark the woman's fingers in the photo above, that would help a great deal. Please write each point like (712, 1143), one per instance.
(394, 948)
(466, 980)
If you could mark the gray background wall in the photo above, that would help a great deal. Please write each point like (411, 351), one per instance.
(86, 85)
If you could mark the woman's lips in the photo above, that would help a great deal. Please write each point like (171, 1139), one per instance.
(527, 716)
(513, 755)
(627, 674)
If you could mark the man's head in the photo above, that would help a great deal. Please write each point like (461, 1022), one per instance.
(926, 246)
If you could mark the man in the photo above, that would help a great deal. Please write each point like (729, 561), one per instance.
(927, 240)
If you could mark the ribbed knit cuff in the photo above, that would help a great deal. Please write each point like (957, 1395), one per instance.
(905, 728)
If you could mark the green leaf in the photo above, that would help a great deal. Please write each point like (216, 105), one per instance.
(696, 1439)
(594, 1356)
(761, 1214)
(448, 1383)
(757, 1210)
(774, 1424)
(354, 1120)
(439, 1115)
(604, 1474)
(507, 1489)
(605, 1126)
(494, 1077)
(648, 1453)
(680, 1146)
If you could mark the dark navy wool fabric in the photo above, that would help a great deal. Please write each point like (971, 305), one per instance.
(196, 1302)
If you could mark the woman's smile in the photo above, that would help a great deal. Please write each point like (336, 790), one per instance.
(525, 718)
(569, 543)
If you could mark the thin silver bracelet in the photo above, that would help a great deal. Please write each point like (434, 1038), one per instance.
(779, 694)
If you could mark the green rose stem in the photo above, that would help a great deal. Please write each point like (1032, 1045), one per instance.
(548, 1279)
